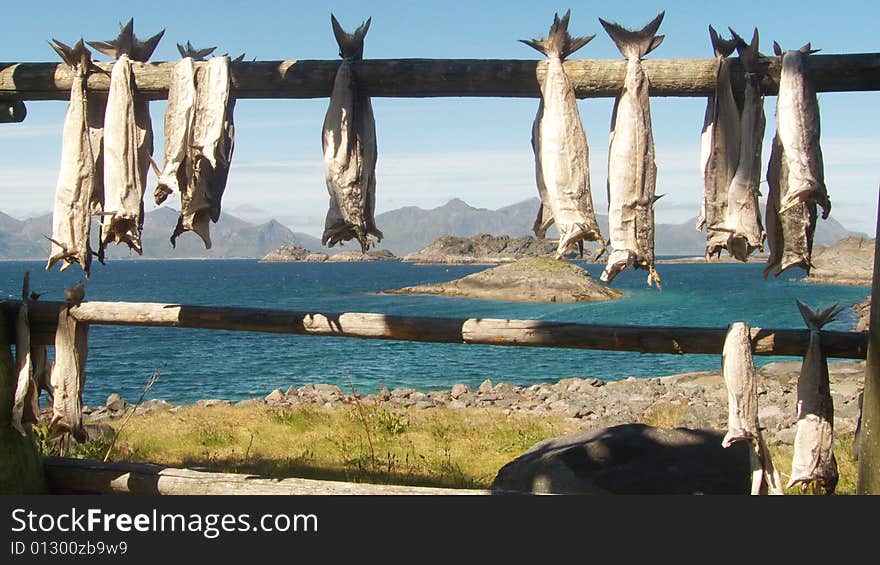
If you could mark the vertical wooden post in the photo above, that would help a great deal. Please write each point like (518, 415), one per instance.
(869, 449)
(21, 469)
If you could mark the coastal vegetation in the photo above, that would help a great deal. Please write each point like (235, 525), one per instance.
(363, 442)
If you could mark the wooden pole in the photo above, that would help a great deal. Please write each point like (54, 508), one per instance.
(80, 476)
(869, 447)
(21, 471)
(417, 78)
(485, 331)
(12, 111)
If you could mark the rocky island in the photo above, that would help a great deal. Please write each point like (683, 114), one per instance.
(482, 249)
(850, 261)
(297, 253)
(534, 279)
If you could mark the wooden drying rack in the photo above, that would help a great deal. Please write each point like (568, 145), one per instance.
(417, 78)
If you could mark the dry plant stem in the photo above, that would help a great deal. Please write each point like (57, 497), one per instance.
(149, 386)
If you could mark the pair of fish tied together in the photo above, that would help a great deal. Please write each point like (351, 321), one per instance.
(107, 149)
(562, 154)
(349, 145)
(199, 140)
(63, 380)
(795, 173)
(731, 154)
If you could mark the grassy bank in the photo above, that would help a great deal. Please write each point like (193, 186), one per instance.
(359, 443)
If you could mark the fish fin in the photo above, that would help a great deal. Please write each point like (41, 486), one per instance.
(723, 47)
(657, 197)
(817, 318)
(635, 43)
(752, 59)
(143, 50)
(777, 50)
(351, 45)
(192, 52)
(76, 56)
(558, 42)
(239, 59)
(808, 50)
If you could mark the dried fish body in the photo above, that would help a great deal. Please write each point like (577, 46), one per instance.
(797, 118)
(562, 155)
(813, 461)
(79, 190)
(349, 144)
(722, 151)
(632, 172)
(178, 129)
(789, 232)
(128, 147)
(68, 375)
(741, 379)
(210, 151)
(743, 213)
(25, 407)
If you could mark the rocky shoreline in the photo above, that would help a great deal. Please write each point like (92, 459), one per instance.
(691, 400)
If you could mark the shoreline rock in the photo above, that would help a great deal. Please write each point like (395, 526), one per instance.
(692, 400)
(354, 255)
(482, 249)
(293, 254)
(850, 262)
(534, 279)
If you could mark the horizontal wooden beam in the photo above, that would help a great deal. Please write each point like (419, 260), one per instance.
(82, 476)
(483, 331)
(12, 111)
(418, 78)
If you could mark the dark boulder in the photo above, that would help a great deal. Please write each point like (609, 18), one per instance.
(630, 459)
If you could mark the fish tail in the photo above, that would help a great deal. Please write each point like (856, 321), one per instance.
(351, 45)
(635, 43)
(751, 58)
(817, 318)
(723, 47)
(558, 42)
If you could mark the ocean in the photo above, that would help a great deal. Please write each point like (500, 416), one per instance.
(200, 364)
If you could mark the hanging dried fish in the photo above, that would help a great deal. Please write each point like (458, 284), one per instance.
(562, 156)
(68, 375)
(790, 231)
(349, 142)
(720, 150)
(210, 152)
(796, 169)
(813, 462)
(632, 172)
(797, 118)
(178, 123)
(741, 379)
(79, 190)
(128, 140)
(743, 213)
(25, 407)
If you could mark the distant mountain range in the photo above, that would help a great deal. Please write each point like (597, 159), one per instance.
(411, 229)
(231, 238)
(406, 230)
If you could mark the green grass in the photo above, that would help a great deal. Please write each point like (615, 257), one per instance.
(440, 447)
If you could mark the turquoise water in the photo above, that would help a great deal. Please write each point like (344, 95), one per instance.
(237, 365)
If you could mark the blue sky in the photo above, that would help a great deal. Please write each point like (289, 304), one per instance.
(432, 150)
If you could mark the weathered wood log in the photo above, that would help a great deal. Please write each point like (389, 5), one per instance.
(81, 476)
(418, 78)
(869, 433)
(12, 111)
(485, 331)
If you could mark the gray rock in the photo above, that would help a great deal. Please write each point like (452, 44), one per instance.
(485, 386)
(459, 389)
(291, 391)
(115, 403)
(402, 392)
(275, 396)
(630, 459)
(98, 431)
(251, 402)
(383, 393)
(208, 403)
